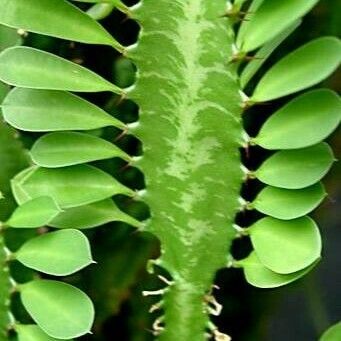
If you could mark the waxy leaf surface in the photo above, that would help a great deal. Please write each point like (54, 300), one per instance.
(67, 22)
(28, 67)
(53, 305)
(303, 122)
(69, 187)
(286, 246)
(92, 215)
(49, 110)
(261, 277)
(58, 253)
(34, 213)
(287, 203)
(300, 69)
(293, 169)
(270, 19)
(31, 332)
(69, 148)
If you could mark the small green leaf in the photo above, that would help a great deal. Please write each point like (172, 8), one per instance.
(96, 214)
(303, 122)
(69, 187)
(303, 68)
(60, 310)
(58, 253)
(27, 67)
(286, 246)
(69, 148)
(299, 168)
(259, 276)
(288, 204)
(333, 333)
(67, 22)
(25, 109)
(31, 332)
(34, 213)
(270, 19)
(263, 54)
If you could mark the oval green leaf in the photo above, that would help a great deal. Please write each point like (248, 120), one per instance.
(69, 187)
(27, 67)
(58, 253)
(303, 122)
(299, 168)
(25, 109)
(303, 68)
(270, 19)
(31, 332)
(69, 148)
(34, 213)
(286, 246)
(92, 215)
(288, 204)
(333, 333)
(67, 22)
(259, 276)
(53, 305)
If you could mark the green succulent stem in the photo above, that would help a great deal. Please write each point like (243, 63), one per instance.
(186, 316)
(191, 130)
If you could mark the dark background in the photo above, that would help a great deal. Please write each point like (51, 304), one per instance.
(297, 312)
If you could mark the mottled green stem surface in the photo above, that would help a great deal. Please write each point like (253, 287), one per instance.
(191, 129)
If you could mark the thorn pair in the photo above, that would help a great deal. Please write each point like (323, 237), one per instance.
(243, 57)
(215, 308)
(236, 15)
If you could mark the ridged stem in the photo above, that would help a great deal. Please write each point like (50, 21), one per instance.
(191, 130)
(186, 316)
